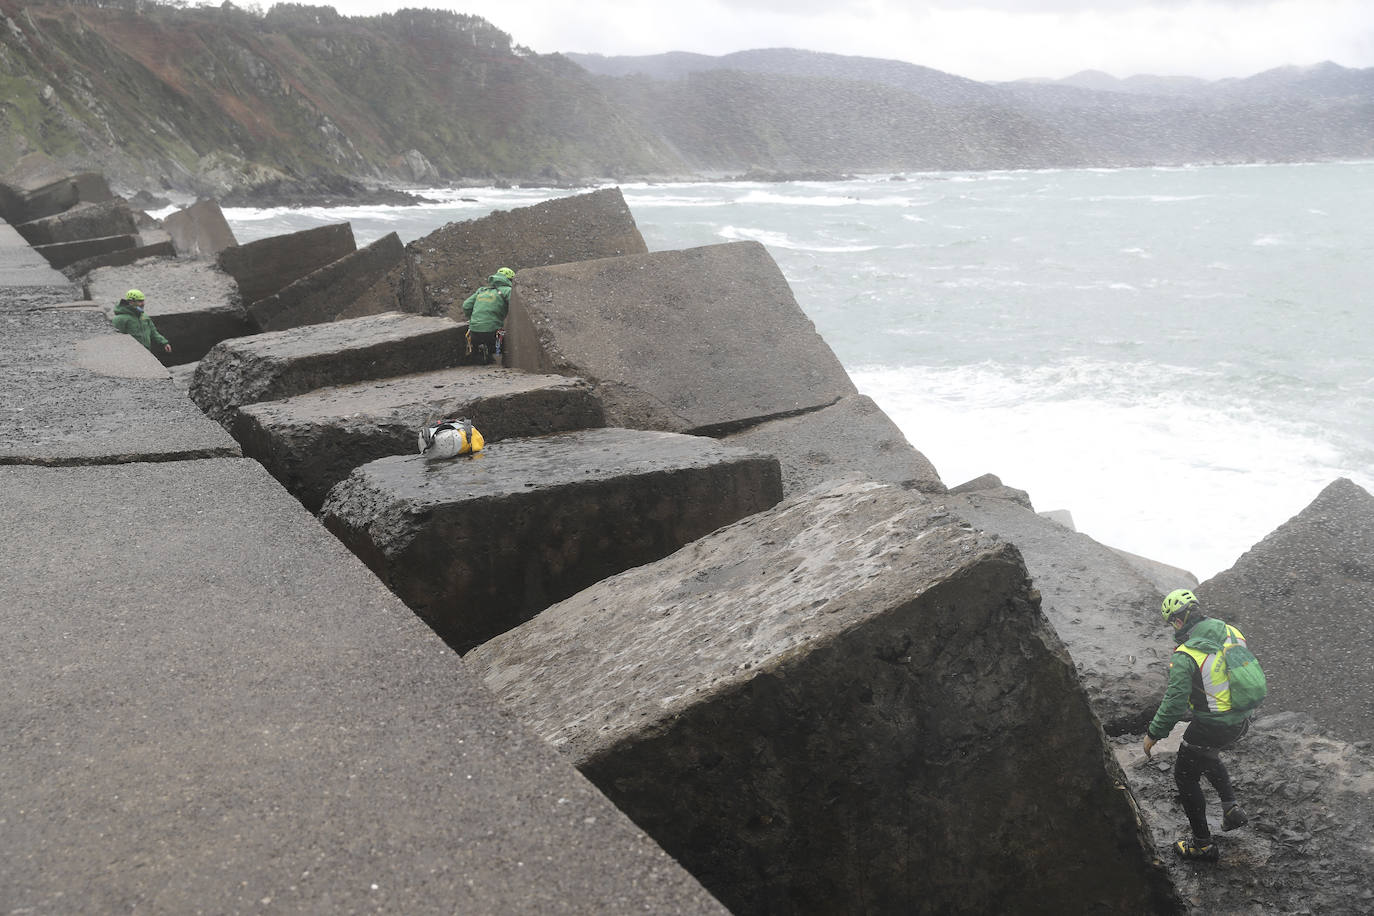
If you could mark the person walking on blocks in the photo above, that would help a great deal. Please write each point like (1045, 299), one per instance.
(486, 311)
(1213, 674)
(130, 319)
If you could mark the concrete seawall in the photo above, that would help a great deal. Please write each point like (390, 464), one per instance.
(214, 707)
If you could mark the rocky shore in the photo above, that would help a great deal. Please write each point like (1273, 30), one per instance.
(708, 659)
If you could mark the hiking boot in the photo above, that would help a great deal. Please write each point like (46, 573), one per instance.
(1234, 818)
(1191, 847)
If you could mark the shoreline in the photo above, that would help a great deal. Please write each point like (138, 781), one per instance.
(346, 191)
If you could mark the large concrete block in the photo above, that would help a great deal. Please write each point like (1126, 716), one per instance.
(210, 706)
(1302, 597)
(477, 545)
(457, 258)
(60, 194)
(312, 441)
(1164, 576)
(60, 254)
(1103, 608)
(33, 170)
(707, 340)
(278, 364)
(398, 290)
(268, 265)
(120, 258)
(848, 704)
(325, 294)
(22, 268)
(194, 304)
(200, 230)
(84, 221)
(84, 394)
(852, 436)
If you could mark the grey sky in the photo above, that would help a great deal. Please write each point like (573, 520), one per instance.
(980, 39)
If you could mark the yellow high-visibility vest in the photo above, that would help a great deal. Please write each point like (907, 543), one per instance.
(1216, 681)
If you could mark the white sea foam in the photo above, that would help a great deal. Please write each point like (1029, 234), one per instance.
(774, 239)
(821, 200)
(1181, 480)
(1152, 198)
(671, 201)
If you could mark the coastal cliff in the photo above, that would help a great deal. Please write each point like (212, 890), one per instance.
(302, 103)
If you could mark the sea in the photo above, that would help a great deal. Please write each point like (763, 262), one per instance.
(1180, 358)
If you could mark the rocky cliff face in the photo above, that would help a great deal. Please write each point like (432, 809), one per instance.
(208, 99)
(205, 100)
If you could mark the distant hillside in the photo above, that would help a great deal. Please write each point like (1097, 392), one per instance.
(204, 99)
(1286, 114)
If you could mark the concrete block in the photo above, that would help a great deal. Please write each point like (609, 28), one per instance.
(1302, 597)
(324, 294)
(60, 254)
(62, 194)
(991, 486)
(83, 221)
(209, 705)
(200, 230)
(477, 545)
(312, 441)
(1165, 576)
(88, 395)
(457, 258)
(1062, 516)
(33, 171)
(22, 268)
(398, 290)
(706, 340)
(182, 374)
(278, 364)
(267, 265)
(848, 704)
(853, 436)
(121, 258)
(1102, 607)
(194, 304)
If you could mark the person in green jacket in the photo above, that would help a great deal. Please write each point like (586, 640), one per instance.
(130, 319)
(486, 311)
(1215, 726)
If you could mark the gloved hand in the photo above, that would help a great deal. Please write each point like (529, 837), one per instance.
(1149, 745)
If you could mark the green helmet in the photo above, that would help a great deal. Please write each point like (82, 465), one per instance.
(1177, 602)
(507, 273)
(134, 295)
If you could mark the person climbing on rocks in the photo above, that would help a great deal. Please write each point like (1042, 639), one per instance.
(130, 319)
(1213, 674)
(486, 312)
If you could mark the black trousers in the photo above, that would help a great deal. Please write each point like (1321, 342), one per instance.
(478, 340)
(1199, 756)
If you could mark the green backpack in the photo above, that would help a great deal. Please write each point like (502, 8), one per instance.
(1247, 683)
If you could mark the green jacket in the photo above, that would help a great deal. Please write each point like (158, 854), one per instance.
(486, 309)
(1186, 690)
(131, 321)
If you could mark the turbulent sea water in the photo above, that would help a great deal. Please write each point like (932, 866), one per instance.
(1182, 358)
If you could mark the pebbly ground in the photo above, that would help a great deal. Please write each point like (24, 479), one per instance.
(1309, 846)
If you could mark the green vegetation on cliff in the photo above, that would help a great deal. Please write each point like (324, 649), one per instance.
(209, 99)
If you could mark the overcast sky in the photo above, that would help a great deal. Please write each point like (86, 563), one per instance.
(980, 39)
